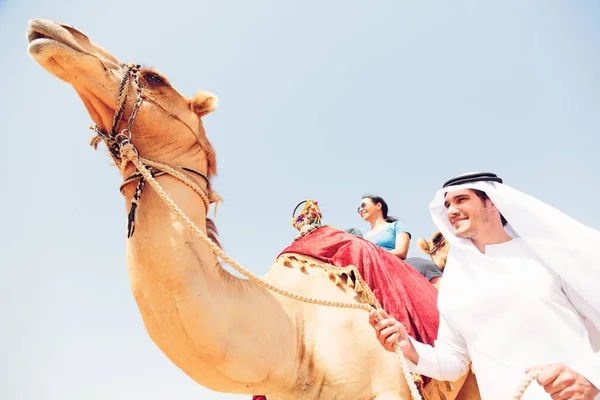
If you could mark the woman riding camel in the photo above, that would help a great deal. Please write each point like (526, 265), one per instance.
(391, 234)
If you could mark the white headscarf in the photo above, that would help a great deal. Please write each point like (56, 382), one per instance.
(570, 249)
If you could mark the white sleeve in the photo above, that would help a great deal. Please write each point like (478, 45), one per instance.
(590, 366)
(447, 360)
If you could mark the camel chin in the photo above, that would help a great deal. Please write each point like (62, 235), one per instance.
(50, 59)
(55, 56)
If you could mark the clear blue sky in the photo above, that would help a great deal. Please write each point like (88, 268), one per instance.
(323, 100)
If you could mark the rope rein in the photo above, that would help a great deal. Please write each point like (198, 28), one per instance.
(121, 149)
(128, 151)
(530, 377)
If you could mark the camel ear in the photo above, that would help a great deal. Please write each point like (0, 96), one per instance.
(424, 246)
(204, 103)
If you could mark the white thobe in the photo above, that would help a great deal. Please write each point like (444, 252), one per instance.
(504, 311)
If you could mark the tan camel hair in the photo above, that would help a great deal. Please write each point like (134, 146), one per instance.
(437, 248)
(227, 334)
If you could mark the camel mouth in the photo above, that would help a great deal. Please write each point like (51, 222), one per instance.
(34, 35)
(35, 38)
(41, 33)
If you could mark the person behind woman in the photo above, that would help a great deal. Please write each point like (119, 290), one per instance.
(390, 234)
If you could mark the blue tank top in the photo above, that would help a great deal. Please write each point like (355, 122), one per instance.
(386, 237)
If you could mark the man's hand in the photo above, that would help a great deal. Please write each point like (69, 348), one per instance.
(389, 331)
(561, 382)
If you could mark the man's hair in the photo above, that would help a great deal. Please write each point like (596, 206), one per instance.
(483, 196)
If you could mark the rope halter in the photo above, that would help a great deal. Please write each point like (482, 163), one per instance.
(123, 151)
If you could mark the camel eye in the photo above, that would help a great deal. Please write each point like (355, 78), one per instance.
(437, 239)
(154, 79)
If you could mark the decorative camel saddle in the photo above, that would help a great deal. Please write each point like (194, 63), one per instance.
(379, 279)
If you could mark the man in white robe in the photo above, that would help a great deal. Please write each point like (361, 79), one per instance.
(520, 294)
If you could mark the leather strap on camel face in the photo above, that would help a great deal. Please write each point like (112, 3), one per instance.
(115, 141)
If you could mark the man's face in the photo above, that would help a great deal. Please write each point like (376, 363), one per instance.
(467, 213)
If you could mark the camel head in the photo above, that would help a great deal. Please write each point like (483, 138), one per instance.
(167, 126)
(437, 248)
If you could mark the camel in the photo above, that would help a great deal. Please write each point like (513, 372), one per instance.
(437, 248)
(228, 334)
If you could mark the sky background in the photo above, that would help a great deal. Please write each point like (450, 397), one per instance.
(326, 100)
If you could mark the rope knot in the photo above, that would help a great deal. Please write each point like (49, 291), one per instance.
(213, 197)
(128, 150)
(95, 141)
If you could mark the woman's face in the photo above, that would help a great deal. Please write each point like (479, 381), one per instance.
(367, 210)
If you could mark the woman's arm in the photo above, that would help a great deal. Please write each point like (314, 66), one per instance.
(402, 244)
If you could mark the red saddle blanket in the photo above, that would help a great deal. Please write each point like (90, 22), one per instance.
(402, 291)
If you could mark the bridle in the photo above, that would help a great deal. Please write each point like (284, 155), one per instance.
(117, 141)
